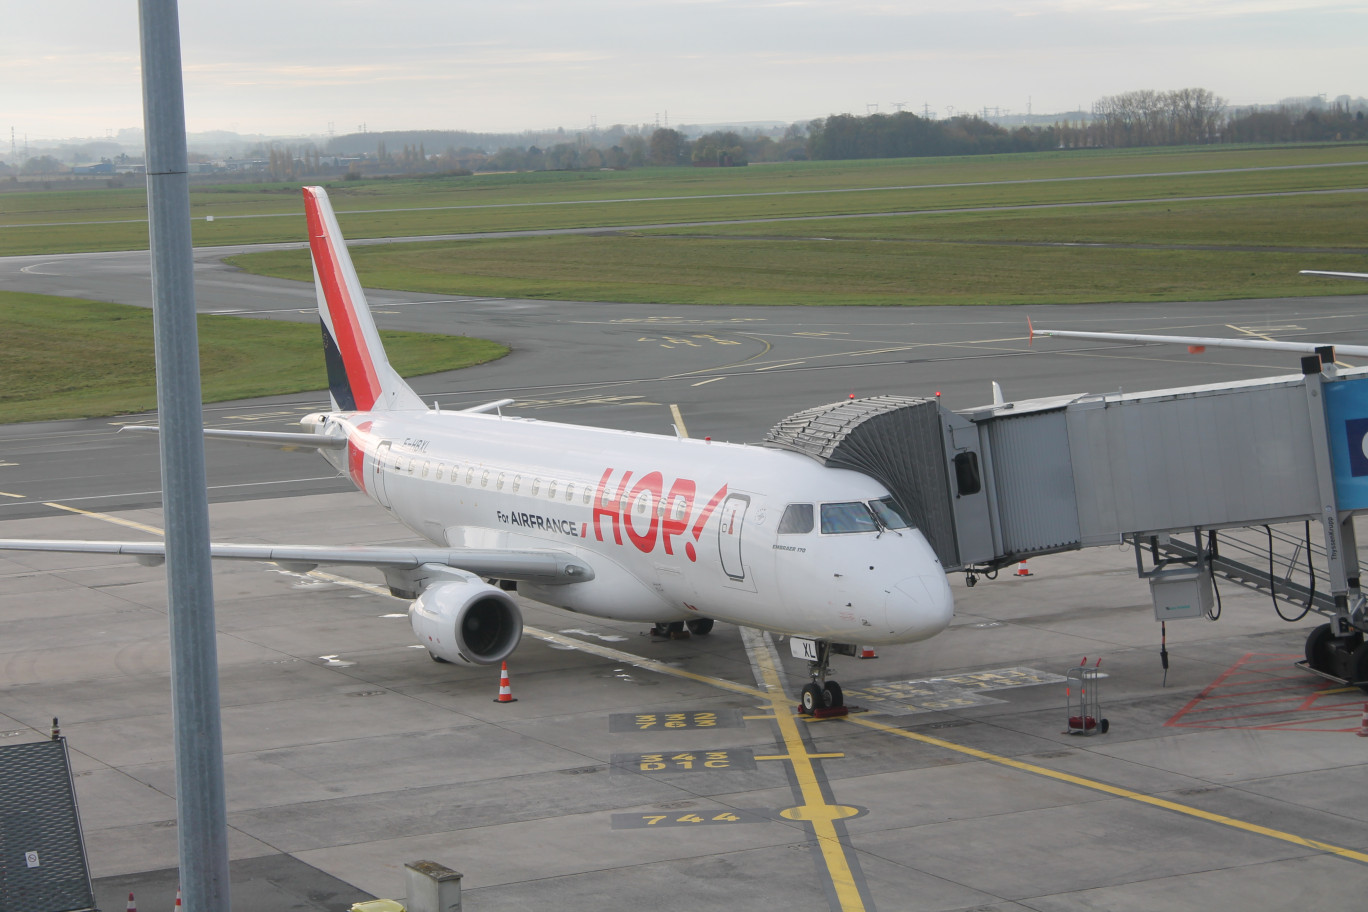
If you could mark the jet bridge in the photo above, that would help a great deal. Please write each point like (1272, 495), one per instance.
(1190, 477)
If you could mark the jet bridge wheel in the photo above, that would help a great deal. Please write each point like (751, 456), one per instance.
(1318, 648)
(1358, 667)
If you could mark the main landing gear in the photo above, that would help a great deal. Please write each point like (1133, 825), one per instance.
(1342, 658)
(681, 630)
(822, 697)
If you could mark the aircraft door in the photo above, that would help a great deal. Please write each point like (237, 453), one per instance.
(729, 528)
(376, 479)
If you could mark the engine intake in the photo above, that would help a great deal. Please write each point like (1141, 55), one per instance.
(466, 621)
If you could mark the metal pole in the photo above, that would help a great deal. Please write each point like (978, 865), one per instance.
(200, 808)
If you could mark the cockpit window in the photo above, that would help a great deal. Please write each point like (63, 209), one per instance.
(797, 519)
(889, 513)
(842, 518)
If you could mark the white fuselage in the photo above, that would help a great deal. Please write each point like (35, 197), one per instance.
(674, 528)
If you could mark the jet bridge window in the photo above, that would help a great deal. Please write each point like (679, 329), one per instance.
(797, 519)
(844, 518)
(890, 515)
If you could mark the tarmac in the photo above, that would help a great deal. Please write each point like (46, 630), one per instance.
(636, 772)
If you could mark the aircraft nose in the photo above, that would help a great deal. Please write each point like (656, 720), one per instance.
(920, 606)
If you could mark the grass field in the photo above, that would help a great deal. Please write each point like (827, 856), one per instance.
(1153, 251)
(68, 358)
(116, 219)
(1078, 226)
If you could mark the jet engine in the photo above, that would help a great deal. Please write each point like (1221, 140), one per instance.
(466, 621)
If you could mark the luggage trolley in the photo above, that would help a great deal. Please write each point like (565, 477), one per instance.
(1081, 700)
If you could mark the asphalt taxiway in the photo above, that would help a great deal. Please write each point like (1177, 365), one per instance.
(634, 772)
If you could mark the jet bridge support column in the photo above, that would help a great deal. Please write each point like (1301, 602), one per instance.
(1340, 544)
(1336, 649)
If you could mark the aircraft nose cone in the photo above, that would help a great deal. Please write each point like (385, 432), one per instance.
(920, 606)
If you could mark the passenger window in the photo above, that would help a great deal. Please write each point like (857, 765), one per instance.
(499, 484)
(569, 492)
(517, 483)
(456, 473)
(536, 486)
(484, 478)
(427, 464)
(797, 519)
(470, 473)
(440, 467)
(410, 466)
(844, 518)
(551, 489)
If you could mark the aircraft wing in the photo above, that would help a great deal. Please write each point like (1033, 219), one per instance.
(274, 439)
(1335, 275)
(547, 567)
(1308, 348)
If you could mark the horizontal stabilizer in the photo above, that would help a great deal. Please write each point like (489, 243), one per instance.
(547, 567)
(279, 440)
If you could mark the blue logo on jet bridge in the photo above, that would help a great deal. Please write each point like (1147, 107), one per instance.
(1346, 420)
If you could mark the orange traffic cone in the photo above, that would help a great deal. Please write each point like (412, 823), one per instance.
(178, 902)
(1363, 725)
(505, 691)
(132, 906)
(1022, 571)
(867, 652)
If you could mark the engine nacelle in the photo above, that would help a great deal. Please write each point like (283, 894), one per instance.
(466, 621)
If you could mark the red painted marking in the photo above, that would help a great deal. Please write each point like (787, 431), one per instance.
(356, 455)
(652, 484)
(351, 341)
(669, 528)
(1265, 692)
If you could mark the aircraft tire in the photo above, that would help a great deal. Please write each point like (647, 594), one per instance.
(811, 698)
(832, 695)
(700, 626)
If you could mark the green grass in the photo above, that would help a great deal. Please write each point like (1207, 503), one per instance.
(1204, 250)
(115, 219)
(68, 358)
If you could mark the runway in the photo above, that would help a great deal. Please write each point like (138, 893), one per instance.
(349, 753)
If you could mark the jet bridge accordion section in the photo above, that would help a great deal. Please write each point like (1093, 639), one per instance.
(992, 485)
(1075, 472)
(925, 455)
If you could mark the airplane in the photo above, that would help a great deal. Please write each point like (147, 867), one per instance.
(675, 531)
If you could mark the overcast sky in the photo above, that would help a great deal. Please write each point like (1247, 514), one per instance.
(300, 66)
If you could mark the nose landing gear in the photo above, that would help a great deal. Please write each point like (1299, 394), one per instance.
(822, 698)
